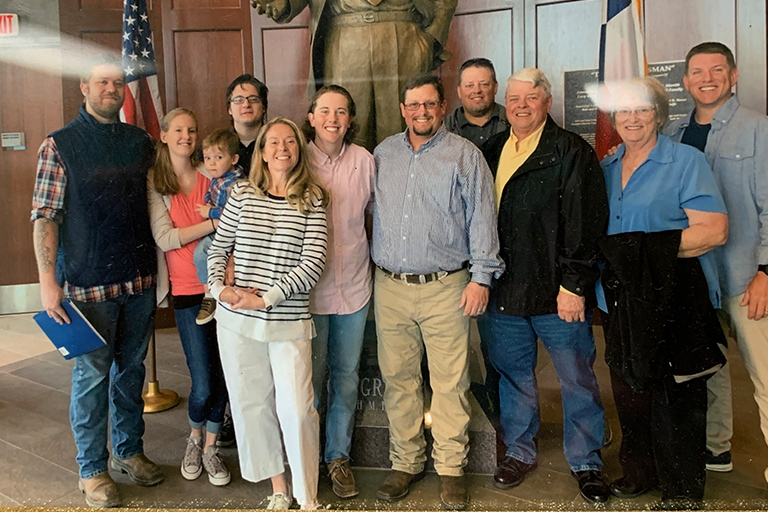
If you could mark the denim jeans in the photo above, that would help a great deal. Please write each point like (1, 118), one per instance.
(208, 396)
(512, 346)
(337, 346)
(200, 258)
(107, 383)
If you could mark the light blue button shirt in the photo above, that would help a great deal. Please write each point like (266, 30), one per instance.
(737, 150)
(675, 177)
(434, 208)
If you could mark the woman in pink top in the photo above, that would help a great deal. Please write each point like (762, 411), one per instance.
(339, 302)
(176, 188)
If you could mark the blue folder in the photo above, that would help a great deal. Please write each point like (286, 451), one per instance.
(73, 339)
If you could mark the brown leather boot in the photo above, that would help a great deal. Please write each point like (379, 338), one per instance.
(140, 469)
(396, 484)
(100, 491)
(342, 478)
(453, 492)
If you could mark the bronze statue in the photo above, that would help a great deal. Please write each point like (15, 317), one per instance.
(371, 48)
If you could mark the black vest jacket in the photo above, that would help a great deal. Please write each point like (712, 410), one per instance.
(105, 236)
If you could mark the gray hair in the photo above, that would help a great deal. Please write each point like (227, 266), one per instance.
(654, 90)
(533, 75)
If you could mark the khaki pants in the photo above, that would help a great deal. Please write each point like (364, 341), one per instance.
(409, 319)
(752, 339)
(373, 62)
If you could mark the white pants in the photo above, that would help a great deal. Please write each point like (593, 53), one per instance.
(752, 340)
(270, 388)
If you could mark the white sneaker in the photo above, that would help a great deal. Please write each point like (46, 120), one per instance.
(192, 465)
(279, 501)
(217, 471)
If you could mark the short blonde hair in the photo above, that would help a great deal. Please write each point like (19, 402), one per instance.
(533, 75)
(304, 191)
(651, 88)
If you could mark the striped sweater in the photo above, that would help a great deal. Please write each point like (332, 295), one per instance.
(279, 251)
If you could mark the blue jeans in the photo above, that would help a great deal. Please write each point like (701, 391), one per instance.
(339, 343)
(107, 383)
(512, 347)
(201, 257)
(208, 396)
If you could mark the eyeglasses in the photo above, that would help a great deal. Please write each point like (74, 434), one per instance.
(429, 105)
(641, 112)
(237, 100)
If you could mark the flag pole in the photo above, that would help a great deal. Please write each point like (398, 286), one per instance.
(156, 399)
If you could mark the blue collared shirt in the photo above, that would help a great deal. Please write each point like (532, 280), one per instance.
(675, 177)
(434, 208)
(737, 149)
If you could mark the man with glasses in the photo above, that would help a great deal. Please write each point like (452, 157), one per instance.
(553, 207)
(436, 251)
(247, 105)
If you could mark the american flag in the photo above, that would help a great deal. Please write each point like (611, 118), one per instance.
(142, 106)
(622, 56)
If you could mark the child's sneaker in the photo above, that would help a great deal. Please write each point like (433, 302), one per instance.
(207, 309)
(192, 465)
(279, 501)
(217, 471)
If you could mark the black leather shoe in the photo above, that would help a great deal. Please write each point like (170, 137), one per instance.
(511, 473)
(453, 492)
(622, 488)
(592, 486)
(395, 486)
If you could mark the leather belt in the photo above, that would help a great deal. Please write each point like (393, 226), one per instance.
(354, 19)
(419, 278)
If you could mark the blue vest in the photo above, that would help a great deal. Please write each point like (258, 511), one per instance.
(105, 236)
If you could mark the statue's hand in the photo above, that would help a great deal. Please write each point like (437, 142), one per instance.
(271, 8)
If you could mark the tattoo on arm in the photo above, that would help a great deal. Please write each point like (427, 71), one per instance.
(46, 240)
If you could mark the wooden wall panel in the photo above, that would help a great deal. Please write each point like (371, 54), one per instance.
(101, 5)
(286, 73)
(464, 43)
(207, 44)
(205, 72)
(21, 91)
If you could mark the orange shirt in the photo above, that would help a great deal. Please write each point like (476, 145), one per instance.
(181, 266)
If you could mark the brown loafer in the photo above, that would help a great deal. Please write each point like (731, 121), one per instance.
(139, 469)
(395, 486)
(100, 491)
(342, 478)
(453, 492)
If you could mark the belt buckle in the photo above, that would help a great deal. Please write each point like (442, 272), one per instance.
(422, 279)
(404, 279)
(441, 275)
(369, 17)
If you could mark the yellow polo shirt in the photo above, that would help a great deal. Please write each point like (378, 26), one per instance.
(513, 157)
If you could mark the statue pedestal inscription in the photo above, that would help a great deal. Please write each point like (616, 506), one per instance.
(370, 443)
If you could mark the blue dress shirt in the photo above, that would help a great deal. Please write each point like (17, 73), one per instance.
(434, 208)
(673, 178)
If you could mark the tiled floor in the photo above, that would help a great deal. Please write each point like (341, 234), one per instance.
(37, 452)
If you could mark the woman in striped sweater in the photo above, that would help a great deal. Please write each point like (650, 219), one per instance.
(274, 224)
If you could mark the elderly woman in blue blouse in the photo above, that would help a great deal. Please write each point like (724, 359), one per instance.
(659, 287)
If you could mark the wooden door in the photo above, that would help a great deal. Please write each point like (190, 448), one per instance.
(207, 44)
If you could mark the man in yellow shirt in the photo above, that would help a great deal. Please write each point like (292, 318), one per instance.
(552, 208)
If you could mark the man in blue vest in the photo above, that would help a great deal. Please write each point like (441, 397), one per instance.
(94, 246)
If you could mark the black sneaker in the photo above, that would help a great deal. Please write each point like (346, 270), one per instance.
(719, 463)
(227, 432)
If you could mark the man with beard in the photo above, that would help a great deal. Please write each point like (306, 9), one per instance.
(94, 246)
(436, 251)
(479, 117)
(247, 105)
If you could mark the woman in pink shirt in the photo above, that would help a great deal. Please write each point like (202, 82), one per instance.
(176, 188)
(339, 302)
